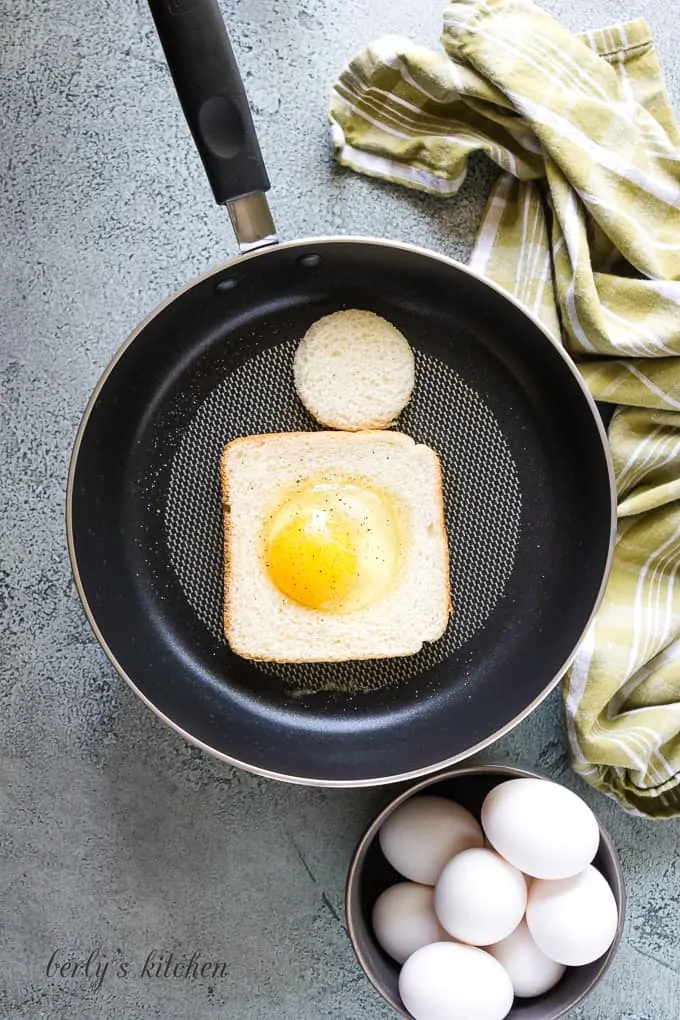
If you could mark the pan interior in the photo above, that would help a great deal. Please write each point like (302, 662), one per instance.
(528, 502)
(259, 397)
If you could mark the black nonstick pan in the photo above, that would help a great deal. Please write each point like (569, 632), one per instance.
(527, 480)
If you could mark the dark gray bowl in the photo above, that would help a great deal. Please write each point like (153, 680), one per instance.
(370, 874)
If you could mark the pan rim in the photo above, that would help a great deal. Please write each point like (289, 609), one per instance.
(315, 781)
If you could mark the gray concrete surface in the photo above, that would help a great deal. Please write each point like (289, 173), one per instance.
(116, 838)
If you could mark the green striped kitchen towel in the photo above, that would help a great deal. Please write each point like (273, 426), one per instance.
(583, 227)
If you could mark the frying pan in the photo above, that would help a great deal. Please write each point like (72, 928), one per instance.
(528, 484)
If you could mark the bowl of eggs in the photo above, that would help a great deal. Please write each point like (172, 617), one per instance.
(482, 893)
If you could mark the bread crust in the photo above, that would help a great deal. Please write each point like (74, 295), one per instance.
(226, 531)
(443, 533)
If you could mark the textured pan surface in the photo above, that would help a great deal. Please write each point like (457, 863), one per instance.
(475, 459)
(528, 500)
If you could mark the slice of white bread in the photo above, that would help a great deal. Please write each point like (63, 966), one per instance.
(259, 621)
(354, 370)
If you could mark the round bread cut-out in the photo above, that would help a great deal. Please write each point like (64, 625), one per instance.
(354, 370)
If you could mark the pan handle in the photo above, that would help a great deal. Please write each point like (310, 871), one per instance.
(210, 90)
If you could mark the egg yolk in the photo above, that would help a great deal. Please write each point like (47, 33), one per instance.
(333, 546)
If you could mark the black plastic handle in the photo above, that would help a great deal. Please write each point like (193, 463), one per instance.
(210, 89)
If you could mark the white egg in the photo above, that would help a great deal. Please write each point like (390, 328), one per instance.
(479, 897)
(424, 833)
(404, 920)
(541, 827)
(531, 971)
(446, 981)
(573, 920)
